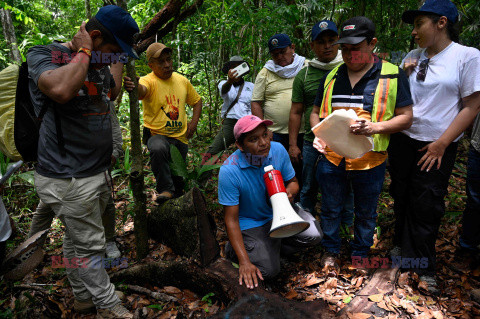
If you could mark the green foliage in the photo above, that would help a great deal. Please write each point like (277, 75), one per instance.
(207, 298)
(178, 167)
(123, 167)
(155, 307)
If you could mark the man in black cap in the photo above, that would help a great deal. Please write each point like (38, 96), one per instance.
(379, 94)
(237, 95)
(71, 87)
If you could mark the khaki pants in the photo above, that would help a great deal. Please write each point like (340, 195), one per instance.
(43, 217)
(79, 203)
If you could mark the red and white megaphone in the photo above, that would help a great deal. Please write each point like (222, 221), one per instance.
(286, 221)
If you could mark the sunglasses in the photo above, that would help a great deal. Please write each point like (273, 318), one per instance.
(422, 73)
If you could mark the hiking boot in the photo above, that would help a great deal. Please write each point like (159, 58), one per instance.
(432, 284)
(83, 306)
(163, 197)
(329, 260)
(395, 251)
(111, 250)
(87, 306)
(117, 311)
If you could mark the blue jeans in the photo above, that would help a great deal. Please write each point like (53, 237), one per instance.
(470, 237)
(308, 193)
(367, 186)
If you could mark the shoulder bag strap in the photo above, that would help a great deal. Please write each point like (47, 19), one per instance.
(234, 101)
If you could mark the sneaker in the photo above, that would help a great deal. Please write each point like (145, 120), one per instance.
(396, 251)
(329, 260)
(111, 250)
(117, 311)
(431, 282)
(163, 197)
(87, 306)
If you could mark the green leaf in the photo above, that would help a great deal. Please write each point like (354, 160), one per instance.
(347, 299)
(177, 164)
(157, 307)
(27, 177)
(235, 265)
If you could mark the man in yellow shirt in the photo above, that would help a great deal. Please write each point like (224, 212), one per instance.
(164, 94)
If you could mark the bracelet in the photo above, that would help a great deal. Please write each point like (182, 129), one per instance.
(86, 51)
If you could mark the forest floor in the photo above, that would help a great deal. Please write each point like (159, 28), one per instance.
(45, 292)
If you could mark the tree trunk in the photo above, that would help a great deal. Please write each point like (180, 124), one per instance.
(136, 174)
(221, 278)
(146, 37)
(184, 225)
(88, 11)
(9, 34)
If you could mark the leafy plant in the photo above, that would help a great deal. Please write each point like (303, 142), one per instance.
(207, 298)
(179, 168)
(125, 167)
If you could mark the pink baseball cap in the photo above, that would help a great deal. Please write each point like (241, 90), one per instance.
(247, 124)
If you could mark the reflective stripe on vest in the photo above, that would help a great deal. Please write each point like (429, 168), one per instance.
(383, 103)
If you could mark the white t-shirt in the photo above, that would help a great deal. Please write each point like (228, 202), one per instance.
(243, 106)
(452, 75)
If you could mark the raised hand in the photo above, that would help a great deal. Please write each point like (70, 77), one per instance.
(82, 39)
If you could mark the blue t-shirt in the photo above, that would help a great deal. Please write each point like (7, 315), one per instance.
(240, 183)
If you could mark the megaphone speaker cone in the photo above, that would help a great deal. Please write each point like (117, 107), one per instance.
(289, 230)
(286, 221)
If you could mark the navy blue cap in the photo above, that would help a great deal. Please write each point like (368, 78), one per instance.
(279, 41)
(121, 24)
(324, 25)
(441, 7)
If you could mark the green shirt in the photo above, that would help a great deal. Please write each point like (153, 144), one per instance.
(305, 87)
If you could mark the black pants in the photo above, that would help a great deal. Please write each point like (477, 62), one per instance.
(419, 197)
(159, 147)
(284, 140)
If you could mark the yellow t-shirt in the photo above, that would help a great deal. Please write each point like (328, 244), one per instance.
(164, 105)
(276, 94)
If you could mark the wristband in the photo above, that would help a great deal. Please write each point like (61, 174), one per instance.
(86, 51)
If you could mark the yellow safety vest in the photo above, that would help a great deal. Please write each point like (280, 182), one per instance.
(384, 100)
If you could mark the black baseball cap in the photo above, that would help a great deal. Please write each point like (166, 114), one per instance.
(355, 30)
(439, 7)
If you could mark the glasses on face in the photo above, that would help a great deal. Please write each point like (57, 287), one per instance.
(422, 73)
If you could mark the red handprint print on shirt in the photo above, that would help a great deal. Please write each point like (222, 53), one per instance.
(173, 112)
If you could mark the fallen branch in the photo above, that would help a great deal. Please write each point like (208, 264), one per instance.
(29, 287)
(155, 295)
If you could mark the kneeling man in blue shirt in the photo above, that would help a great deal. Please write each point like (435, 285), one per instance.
(247, 208)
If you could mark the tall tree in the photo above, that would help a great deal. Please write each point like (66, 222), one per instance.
(88, 10)
(9, 34)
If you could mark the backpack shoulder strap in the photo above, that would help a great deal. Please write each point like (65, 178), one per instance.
(58, 124)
